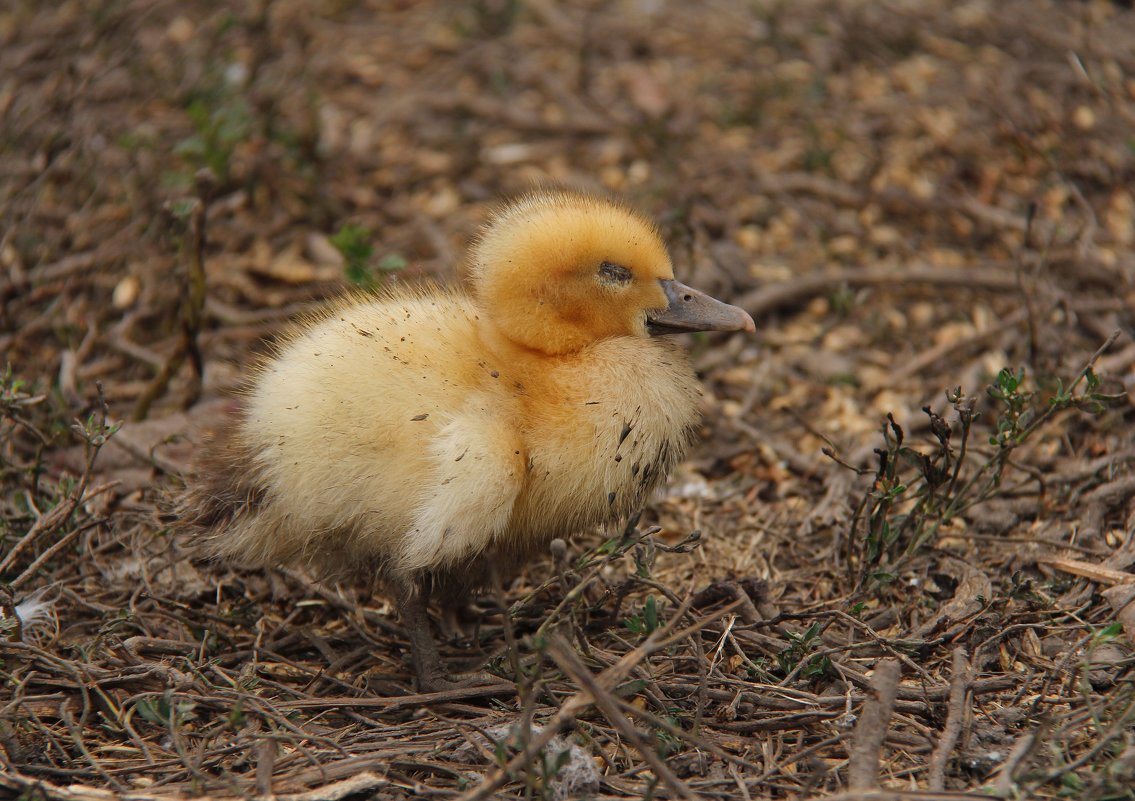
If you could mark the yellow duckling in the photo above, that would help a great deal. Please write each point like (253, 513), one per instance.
(428, 437)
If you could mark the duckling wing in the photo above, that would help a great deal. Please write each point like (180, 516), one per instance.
(478, 471)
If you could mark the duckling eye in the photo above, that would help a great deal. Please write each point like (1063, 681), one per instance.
(611, 273)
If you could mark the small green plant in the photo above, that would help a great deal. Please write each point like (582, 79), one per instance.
(589, 565)
(645, 623)
(667, 742)
(236, 718)
(392, 263)
(799, 650)
(354, 243)
(842, 300)
(16, 401)
(1106, 633)
(11, 391)
(17, 407)
(915, 492)
(218, 128)
(818, 156)
(165, 710)
(50, 510)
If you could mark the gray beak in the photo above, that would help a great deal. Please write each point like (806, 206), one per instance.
(691, 310)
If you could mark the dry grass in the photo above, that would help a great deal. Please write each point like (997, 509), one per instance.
(909, 197)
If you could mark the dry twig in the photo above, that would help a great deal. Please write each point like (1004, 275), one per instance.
(956, 712)
(871, 728)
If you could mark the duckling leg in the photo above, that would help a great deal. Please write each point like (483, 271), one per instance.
(415, 598)
(424, 654)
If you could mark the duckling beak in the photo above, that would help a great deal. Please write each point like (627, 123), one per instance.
(691, 310)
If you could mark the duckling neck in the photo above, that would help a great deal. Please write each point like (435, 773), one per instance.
(509, 351)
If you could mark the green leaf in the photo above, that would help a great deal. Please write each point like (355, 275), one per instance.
(650, 615)
(150, 709)
(630, 688)
(354, 243)
(1108, 632)
(392, 263)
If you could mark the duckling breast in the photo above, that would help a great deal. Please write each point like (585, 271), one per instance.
(603, 428)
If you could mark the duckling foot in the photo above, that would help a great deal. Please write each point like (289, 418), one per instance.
(436, 682)
(432, 677)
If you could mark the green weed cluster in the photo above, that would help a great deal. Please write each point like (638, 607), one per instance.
(915, 492)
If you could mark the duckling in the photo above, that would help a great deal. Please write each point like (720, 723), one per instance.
(428, 437)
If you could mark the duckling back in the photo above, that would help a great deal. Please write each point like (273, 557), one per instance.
(338, 441)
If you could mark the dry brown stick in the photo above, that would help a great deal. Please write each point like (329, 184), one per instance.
(57, 546)
(235, 316)
(77, 738)
(566, 659)
(1027, 293)
(56, 517)
(401, 701)
(508, 114)
(659, 640)
(1122, 601)
(66, 267)
(740, 784)
(809, 183)
(192, 308)
(955, 717)
(1088, 570)
(27, 786)
(566, 715)
(996, 276)
(344, 788)
(871, 730)
(1113, 492)
(44, 524)
(918, 695)
(903, 795)
(120, 343)
(1022, 749)
(940, 351)
(265, 765)
(690, 737)
(195, 303)
(848, 195)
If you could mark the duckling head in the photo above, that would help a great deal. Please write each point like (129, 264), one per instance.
(557, 271)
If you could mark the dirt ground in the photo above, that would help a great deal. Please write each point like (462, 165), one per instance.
(929, 208)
